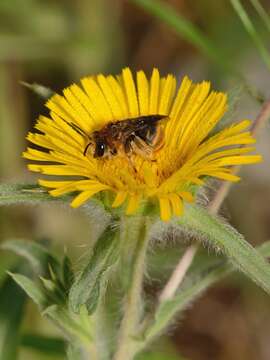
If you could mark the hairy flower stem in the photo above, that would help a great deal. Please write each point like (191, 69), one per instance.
(182, 267)
(133, 302)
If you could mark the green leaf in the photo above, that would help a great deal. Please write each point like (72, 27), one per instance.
(224, 238)
(12, 300)
(44, 344)
(34, 194)
(37, 255)
(86, 289)
(25, 193)
(31, 289)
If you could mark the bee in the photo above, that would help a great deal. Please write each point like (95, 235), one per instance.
(142, 136)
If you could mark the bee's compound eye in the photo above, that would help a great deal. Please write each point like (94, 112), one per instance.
(100, 149)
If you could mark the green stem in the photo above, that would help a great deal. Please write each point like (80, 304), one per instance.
(133, 303)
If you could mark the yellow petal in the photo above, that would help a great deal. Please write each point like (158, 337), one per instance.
(133, 204)
(67, 128)
(166, 95)
(194, 101)
(119, 199)
(143, 93)
(165, 208)
(154, 92)
(120, 95)
(83, 119)
(187, 196)
(110, 97)
(54, 184)
(82, 198)
(177, 204)
(96, 96)
(87, 104)
(130, 92)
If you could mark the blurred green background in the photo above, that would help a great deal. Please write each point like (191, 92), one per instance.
(54, 43)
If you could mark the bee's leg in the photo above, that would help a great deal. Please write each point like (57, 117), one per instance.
(141, 148)
(158, 139)
(127, 150)
(113, 151)
(131, 163)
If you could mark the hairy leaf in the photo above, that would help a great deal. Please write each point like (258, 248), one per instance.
(25, 193)
(86, 289)
(37, 255)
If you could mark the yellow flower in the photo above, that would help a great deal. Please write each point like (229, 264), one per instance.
(189, 155)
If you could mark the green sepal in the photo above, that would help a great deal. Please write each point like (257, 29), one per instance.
(31, 289)
(67, 273)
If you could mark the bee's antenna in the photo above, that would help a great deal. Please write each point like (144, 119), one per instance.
(85, 150)
(77, 129)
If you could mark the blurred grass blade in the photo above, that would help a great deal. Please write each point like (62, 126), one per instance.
(222, 237)
(12, 300)
(37, 256)
(193, 287)
(261, 11)
(86, 289)
(186, 30)
(42, 91)
(250, 28)
(44, 344)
